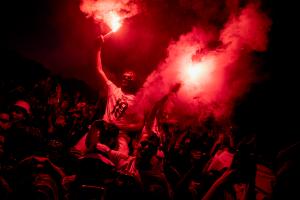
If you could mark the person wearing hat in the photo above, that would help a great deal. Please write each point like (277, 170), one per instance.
(24, 139)
(20, 111)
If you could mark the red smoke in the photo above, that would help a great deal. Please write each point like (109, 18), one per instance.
(212, 79)
(111, 12)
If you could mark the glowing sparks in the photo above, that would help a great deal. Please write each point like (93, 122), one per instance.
(114, 21)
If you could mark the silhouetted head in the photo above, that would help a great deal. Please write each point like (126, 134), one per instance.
(129, 81)
(147, 146)
(20, 111)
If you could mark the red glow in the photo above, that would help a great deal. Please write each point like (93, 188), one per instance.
(110, 12)
(212, 78)
(197, 74)
(194, 72)
(114, 21)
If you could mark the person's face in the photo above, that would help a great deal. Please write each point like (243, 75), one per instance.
(172, 128)
(85, 112)
(4, 121)
(185, 146)
(127, 79)
(65, 104)
(18, 114)
(92, 110)
(146, 148)
(61, 121)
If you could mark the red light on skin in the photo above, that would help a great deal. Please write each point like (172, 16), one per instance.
(109, 12)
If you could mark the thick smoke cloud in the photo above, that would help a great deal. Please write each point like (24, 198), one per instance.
(224, 58)
(158, 39)
(104, 10)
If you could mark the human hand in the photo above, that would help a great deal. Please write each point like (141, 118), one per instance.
(99, 41)
(102, 148)
(174, 88)
(227, 176)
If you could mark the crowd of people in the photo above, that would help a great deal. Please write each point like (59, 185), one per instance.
(57, 144)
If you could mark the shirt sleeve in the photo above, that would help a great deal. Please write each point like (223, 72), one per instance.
(116, 156)
(111, 87)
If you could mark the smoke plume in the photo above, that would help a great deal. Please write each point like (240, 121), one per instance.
(102, 10)
(215, 68)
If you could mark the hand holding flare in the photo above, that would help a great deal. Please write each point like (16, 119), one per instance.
(114, 22)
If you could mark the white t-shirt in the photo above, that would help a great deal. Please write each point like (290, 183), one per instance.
(117, 104)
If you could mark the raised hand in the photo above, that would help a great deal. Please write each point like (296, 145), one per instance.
(99, 41)
(174, 88)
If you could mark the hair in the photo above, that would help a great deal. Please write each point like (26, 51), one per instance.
(108, 132)
(130, 71)
(26, 114)
(134, 84)
(153, 137)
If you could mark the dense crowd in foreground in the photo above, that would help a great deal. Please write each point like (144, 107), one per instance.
(51, 148)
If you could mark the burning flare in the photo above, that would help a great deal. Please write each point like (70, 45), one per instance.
(110, 12)
(197, 73)
(114, 21)
(194, 72)
(213, 79)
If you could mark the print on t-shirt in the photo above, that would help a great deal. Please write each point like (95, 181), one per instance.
(119, 108)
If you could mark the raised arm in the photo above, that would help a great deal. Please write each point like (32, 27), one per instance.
(98, 59)
(218, 185)
(132, 126)
(92, 136)
(160, 104)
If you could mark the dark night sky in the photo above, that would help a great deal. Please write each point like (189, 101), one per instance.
(56, 34)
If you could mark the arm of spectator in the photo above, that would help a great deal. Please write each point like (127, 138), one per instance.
(98, 59)
(5, 187)
(92, 137)
(103, 148)
(218, 185)
(99, 67)
(114, 156)
(133, 126)
(151, 117)
(160, 104)
(186, 178)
